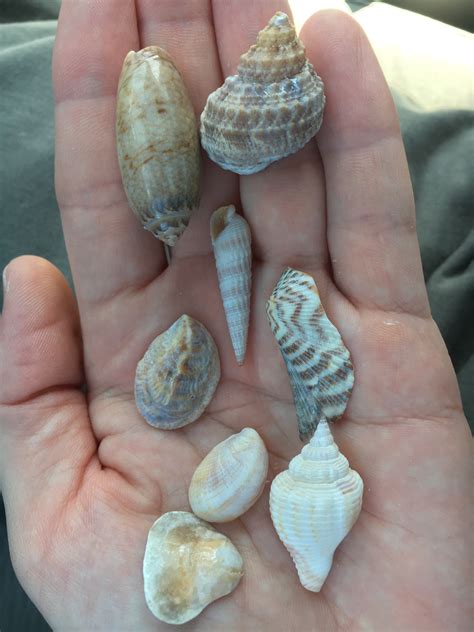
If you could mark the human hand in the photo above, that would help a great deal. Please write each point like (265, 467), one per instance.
(84, 477)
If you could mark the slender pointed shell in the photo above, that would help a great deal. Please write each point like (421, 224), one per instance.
(157, 143)
(317, 361)
(178, 375)
(271, 108)
(187, 566)
(314, 504)
(231, 478)
(231, 241)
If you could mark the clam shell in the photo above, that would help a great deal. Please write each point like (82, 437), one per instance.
(271, 108)
(187, 566)
(157, 143)
(176, 378)
(231, 241)
(231, 478)
(317, 361)
(314, 505)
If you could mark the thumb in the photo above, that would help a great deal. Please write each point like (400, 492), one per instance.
(46, 439)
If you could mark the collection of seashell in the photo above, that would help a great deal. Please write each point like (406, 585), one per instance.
(270, 109)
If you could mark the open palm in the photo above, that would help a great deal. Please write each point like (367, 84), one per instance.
(84, 477)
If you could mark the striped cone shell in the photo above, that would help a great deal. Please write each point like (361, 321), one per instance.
(314, 504)
(231, 241)
(318, 362)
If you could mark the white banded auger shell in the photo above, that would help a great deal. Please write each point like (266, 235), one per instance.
(231, 241)
(318, 363)
(187, 566)
(231, 477)
(314, 504)
(271, 108)
(157, 143)
(178, 375)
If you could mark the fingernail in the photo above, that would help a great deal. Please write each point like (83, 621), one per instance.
(6, 283)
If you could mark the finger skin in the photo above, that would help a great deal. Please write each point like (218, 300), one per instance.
(100, 230)
(371, 218)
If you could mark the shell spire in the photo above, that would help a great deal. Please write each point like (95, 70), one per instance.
(318, 363)
(270, 109)
(231, 241)
(314, 504)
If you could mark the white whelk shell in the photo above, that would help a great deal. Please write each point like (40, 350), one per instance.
(271, 108)
(187, 566)
(231, 241)
(314, 504)
(178, 375)
(231, 477)
(318, 363)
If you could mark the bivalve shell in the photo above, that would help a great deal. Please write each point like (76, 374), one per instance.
(231, 241)
(178, 375)
(187, 566)
(231, 477)
(318, 363)
(157, 143)
(271, 108)
(314, 504)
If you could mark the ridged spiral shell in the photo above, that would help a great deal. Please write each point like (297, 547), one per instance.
(231, 241)
(187, 566)
(314, 504)
(157, 143)
(230, 478)
(318, 363)
(271, 108)
(178, 375)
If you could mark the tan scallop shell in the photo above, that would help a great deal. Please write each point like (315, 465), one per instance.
(318, 363)
(187, 566)
(314, 504)
(271, 108)
(157, 143)
(178, 375)
(231, 477)
(231, 241)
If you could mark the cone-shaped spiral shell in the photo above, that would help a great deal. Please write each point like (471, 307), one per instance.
(187, 566)
(318, 362)
(271, 108)
(314, 504)
(231, 241)
(231, 477)
(177, 376)
(157, 143)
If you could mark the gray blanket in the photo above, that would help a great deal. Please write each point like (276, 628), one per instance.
(440, 154)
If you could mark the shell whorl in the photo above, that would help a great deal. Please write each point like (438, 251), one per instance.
(276, 55)
(318, 363)
(231, 241)
(270, 109)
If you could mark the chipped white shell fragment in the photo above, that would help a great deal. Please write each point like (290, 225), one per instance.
(231, 477)
(157, 143)
(314, 504)
(178, 375)
(231, 241)
(318, 363)
(187, 566)
(271, 108)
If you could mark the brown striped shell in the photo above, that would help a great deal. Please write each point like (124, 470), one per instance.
(271, 108)
(318, 362)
